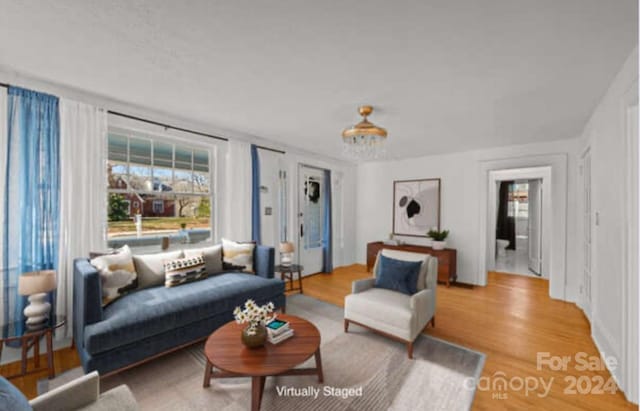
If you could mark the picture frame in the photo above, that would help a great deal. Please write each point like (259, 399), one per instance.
(416, 206)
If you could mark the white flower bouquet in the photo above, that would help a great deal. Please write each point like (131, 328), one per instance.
(254, 315)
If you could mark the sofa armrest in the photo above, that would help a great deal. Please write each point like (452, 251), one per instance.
(359, 286)
(87, 298)
(423, 303)
(264, 261)
(73, 395)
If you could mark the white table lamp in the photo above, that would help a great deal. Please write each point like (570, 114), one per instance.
(286, 253)
(36, 285)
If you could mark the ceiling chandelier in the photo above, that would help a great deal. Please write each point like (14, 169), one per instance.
(365, 140)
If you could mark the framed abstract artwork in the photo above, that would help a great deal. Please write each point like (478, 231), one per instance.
(416, 206)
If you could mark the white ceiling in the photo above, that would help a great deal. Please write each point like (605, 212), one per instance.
(443, 76)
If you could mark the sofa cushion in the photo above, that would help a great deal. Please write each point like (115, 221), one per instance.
(117, 273)
(212, 257)
(381, 309)
(150, 267)
(152, 311)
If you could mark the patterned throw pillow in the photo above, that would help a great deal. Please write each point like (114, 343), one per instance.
(184, 270)
(238, 255)
(117, 272)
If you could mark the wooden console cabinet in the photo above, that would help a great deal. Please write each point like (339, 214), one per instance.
(446, 258)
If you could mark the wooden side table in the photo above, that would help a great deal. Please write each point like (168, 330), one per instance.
(287, 273)
(30, 338)
(225, 351)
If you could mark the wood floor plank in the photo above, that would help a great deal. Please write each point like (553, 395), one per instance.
(510, 320)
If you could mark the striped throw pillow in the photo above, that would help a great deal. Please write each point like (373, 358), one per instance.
(183, 270)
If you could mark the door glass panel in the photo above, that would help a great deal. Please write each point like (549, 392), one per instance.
(313, 212)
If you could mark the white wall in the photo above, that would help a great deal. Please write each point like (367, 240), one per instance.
(606, 137)
(461, 186)
(270, 165)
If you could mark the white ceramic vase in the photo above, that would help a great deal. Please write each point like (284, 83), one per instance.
(438, 245)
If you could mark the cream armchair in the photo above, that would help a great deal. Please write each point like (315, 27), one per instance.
(393, 314)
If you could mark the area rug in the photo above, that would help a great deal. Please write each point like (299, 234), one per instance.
(362, 371)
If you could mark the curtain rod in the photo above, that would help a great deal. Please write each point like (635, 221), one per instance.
(270, 149)
(157, 123)
(167, 126)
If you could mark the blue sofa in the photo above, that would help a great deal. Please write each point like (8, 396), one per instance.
(152, 321)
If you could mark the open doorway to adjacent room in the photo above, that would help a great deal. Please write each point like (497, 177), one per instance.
(519, 227)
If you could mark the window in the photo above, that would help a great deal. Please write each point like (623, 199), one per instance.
(518, 205)
(167, 184)
(158, 206)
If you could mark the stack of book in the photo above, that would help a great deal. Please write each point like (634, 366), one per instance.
(278, 331)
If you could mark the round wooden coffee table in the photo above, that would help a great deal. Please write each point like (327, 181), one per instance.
(224, 351)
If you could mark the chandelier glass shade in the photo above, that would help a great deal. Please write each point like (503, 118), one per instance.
(365, 140)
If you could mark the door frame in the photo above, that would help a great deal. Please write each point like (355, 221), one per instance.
(530, 173)
(297, 216)
(540, 194)
(557, 190)
(582, 303)
(630, 290)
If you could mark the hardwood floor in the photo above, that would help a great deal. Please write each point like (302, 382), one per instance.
(510, 320)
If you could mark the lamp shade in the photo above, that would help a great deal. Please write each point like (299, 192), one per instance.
(37, 282)
(287, 247)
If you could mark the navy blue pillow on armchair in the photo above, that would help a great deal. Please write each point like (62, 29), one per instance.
(398, 275)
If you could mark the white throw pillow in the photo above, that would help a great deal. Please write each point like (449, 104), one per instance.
(238, 254)
(117, 274)
(150, 267)
(212, 257)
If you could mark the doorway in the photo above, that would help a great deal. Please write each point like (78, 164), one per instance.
(519, 227)
(311, 217)
(518, 233)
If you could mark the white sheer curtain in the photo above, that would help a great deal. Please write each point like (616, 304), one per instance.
(3, 162)
(83, 197)
(237, 196)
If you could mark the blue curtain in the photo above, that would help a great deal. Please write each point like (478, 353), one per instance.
(255, 195)
(327, 243)
(32, 193)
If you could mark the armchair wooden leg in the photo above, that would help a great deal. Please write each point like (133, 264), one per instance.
(410, 350)
(433, 321)
(346, 325)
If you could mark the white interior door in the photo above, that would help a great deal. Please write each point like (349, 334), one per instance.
(586, 238)
(310, 218)
(535, 226)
